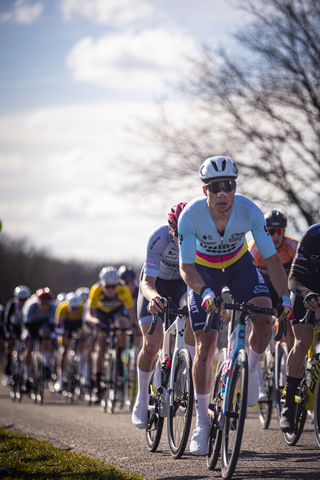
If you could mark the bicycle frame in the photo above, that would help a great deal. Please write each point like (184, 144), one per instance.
(236, 335)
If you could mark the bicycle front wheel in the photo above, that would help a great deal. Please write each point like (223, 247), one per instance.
(215, 408)
(180, 412)
(317, 412)
(155, 421)
(236, 407)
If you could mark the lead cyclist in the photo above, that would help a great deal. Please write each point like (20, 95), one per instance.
(214, 254)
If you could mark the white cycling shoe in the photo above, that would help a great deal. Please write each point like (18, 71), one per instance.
(199, 440)
(253, 388)
(140, 414)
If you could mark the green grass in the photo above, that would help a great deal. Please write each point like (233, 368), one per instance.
(27, 458)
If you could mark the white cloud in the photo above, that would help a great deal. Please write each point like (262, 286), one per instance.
(106, 12)
(23, 11)
(144, 61)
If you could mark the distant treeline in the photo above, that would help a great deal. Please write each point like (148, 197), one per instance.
(22, 264)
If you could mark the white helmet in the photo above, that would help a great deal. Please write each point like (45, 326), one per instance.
(83, 293)
(217, 167)
(73, 300)
(61, 296)
(109, 275)
(22, 292)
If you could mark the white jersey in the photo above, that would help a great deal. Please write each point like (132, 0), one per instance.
(162, 255)
(202, 243)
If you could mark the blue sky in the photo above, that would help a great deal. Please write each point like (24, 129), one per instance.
(75, 76)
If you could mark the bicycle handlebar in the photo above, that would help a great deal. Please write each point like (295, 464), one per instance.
(182, 312)
(246, 308)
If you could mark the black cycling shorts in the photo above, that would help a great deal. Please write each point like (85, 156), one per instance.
(175, 289)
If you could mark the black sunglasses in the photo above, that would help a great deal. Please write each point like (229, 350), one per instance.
(216, 187)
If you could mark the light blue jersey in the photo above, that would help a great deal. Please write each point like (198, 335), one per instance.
(201, 242)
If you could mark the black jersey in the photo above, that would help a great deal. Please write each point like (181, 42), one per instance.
(304, 278)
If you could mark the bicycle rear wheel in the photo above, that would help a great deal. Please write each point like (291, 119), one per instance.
(180, 412)
(155, 421)
(281, 355)
(111, 380)
(236, 407)
(265, 408)
(317, 412)
(130, 376)
(215, 407)
(39, 382)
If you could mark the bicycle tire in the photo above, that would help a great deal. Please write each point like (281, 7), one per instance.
(155, 421)
(281, 355)
(293, 438)
(39, 382)
(317, 412)
(265, 408)
(130, 376)
(111, 383)
(236, 403)
(215, 407)
(180, 413)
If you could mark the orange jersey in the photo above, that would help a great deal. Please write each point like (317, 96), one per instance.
(287, 252)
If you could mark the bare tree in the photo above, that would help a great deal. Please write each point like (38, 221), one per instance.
(259, 104)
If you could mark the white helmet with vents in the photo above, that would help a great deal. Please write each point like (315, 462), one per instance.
(109, 276)
(217, 167)
(73, 300)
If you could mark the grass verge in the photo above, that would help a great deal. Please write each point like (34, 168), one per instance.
(26, 458)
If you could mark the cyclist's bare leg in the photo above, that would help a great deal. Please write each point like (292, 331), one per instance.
(150, 347)
(122, 323)
(202, 364)
(303, 335)
(261, 326)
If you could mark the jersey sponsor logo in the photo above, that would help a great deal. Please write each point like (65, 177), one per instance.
(300, 257)
(201, 323)
(154, 242)
(260, 277)
(225, 248)
(173, 255)
(260, 289)
(149, 261)
(207, 237)
(192, 303)
(314, 232)
(235, 237)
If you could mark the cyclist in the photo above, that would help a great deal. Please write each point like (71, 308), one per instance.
(39, 321)
(68, 319)
(13, 319)
(214, 254)
(286, 248)
(83, 293)
(159, 278)
(109, 305)
(304, 282)
(128, 277)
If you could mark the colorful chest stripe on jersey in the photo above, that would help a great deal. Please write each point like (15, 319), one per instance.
(221, 261)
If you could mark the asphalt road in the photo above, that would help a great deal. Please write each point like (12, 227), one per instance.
(114, 440)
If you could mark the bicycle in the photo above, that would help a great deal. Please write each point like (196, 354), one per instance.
(274, 380)
(171, 386)
(72, 379)
(307, 397)
(228, 399)
(38, 373)
(120, 374)
(17, 372)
